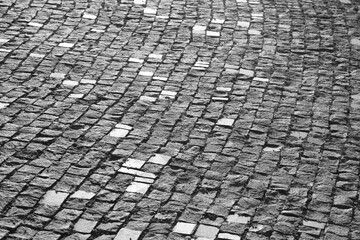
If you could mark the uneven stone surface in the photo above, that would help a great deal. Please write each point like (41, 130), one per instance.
(165, 119)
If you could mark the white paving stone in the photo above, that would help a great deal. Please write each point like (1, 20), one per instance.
(36, 55)
(5, 50)
(141, 2)
(3, 105)
(150, 11)
(76, 95)
(223, 89)
(66, 45)
(246, 72)
(222, 99)
(137, 187)
(169, 93)
(57, 75)
(97, 30)
(136, 60)
(54, 198)
(82, 195)
(160, 159)
(228, 236)
(3, 40)
(134, 163)
(243, 24)
(119, 133)
(146, 73)
(123, 126)
(35, 24)
(89, 16)
(218, 20)
(184, 228)
(258, 79)
(254, 32)
(225, 122)
(70, 83)
(88, 81)
(355, 41)
(156, 56)
(199, 29)
(212, 34)
(147, 99)
(127, 234)
(160, 78)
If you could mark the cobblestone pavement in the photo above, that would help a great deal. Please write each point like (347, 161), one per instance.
(179, 119)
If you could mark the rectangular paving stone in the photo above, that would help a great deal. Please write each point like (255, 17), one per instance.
(198, 29)
(246, 72)
(58, 75)
(84, 225)
(156, 56)
(134, 163)
(223, 89)
(238, 219)
(54, 198)
(36, 55)
(127, 234)
(136, 60)
(201, 64)
(82, 195)
(138, 187)
(5, 50)
(258, 79)
(76, 95)
(243, 24)
(70, 83)
(141, 2)
(254, 32)
(147, 99)
(218, 20)
(221, 99)
(123, 126)
(119, 133)
(150, 11)
(228, 236)
(34, 24)
(184, 228)
(3, 40)
(160, 159)
(97, 30)
(87, 81)
(89, 16)
(314, 224)
(355, 41)
(160, 78)
(66, 45)
(225, 122)
(146, 74)
(212, 34)
(207, 231)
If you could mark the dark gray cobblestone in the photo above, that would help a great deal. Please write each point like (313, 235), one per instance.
(165, 119)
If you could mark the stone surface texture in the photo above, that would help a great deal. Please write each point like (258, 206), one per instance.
(180, 119)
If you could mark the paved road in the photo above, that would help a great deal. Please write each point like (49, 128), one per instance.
(179, 119)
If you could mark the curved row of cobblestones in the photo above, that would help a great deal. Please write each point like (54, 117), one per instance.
(179, 119)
